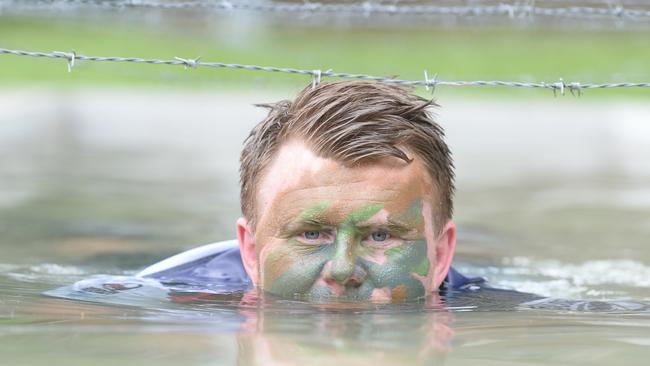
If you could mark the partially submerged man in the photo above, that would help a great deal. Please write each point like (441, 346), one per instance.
(346, 193)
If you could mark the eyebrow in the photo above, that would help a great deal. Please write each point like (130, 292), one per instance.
(390, 225)
(301, 223)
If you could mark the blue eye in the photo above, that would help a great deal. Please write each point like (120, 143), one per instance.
(311, 235)
(379, 236)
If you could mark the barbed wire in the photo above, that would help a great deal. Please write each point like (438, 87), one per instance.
(430, 84)
(515, 9)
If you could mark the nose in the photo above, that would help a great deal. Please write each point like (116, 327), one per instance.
(344, 268)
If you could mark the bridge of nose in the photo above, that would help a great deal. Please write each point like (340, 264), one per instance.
(345, 265)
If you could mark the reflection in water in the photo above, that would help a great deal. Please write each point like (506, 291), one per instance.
(341, 333)
(345, 339)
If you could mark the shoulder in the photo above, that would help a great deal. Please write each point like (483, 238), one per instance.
(460, 291)
(190, 257)
(217, 266)
(456, 281)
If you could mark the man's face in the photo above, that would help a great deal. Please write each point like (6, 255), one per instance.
(356, 233)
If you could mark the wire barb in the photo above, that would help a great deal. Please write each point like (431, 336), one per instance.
(69, 56)
(315, 80)
(316, 77)
(575, 88)
(559, 85)
(188, 62)
(430, 84)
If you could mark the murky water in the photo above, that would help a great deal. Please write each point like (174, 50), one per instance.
(552, 198)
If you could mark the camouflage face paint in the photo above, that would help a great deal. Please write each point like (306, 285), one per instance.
(294, 267)
(397, 273)
(317, 271)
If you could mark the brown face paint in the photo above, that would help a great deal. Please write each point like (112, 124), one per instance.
(398, 294)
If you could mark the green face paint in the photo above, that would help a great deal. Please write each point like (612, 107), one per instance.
(291, 269)
(315, 211)
(413, 215)
(392, 252)
(363, 214)
(423, 268)
(402, 262)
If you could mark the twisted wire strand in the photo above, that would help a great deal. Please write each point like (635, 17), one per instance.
(561, 86)
(366, 8)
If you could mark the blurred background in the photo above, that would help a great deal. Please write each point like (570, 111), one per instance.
(112, 166)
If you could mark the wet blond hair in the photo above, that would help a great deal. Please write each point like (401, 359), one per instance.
(351, 122)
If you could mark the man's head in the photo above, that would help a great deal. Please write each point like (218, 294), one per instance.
(347, 192)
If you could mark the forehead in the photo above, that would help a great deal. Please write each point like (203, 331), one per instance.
(297, 179)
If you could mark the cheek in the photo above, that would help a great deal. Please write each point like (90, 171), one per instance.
(402, 271)
(289, 268)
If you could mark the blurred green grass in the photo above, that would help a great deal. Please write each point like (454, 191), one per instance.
(524, 54)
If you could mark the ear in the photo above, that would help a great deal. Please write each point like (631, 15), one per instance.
(445, 248)
(247, 250)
